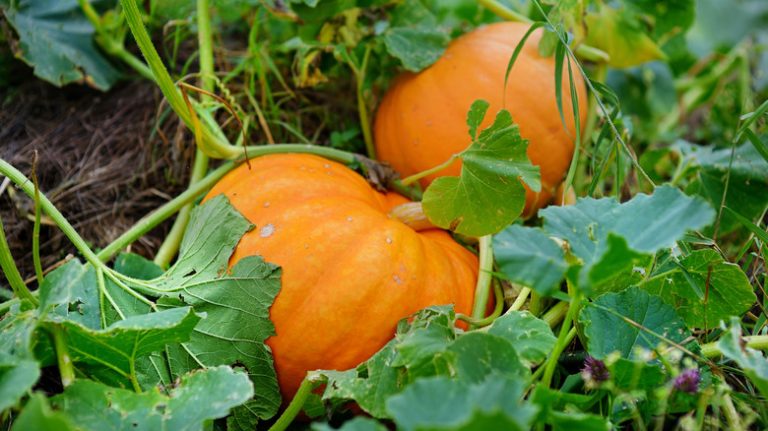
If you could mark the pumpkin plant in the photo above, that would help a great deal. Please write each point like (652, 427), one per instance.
(420, 122)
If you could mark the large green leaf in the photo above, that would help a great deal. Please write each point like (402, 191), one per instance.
(19, 370)
(115, 349)
(532, 337)
(416, 48)
(529, 257)
(236, 326)
(38, 415)
(625, 321)
(619, 33)
(612, 238)
(489, 193)
(440, 403)
(71, 292)
(198, 398)
(703, 288)
(15, 380)
(56, 39)
(236, 303)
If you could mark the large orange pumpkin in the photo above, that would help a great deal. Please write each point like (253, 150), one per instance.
(350, 271)
(421, 120)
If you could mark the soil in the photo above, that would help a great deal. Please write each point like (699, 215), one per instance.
(104, 160)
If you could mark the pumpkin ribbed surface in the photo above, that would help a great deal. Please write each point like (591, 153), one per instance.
(421, 121)
(350, 272)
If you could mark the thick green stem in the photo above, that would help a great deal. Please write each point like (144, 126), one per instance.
(36, 232)
(556, 314)
(11, 271)
(536, 305)
(205, 45)
(498, 308)
(583, 51)
(111, 44)
(484, 277)
(521, 298)
(758, 342)
(562, 341)
(170, 245)
(162, 77)
(415, 177)
(294, 408)
(731, 414)
(66, 369)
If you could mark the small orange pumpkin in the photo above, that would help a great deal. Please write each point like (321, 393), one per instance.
(350, 271)
(421, 120)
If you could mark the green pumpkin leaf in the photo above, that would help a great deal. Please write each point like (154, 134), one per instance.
(440, 403)
(199, 397)
(610, 323)
(214, 230)
(528, 256)
(611, 238)
(38, 415)
(114, 350)
(15, 380)
(71, 292)
(414, 38)
(489, 194)
(703, 288)
(236, 326)
(356, 424)
(621, 35)
(416, 48)
(56, 39)
(531, 337)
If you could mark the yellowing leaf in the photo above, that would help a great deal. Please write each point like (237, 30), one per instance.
(620, 35)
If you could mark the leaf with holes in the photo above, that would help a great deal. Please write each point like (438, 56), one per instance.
(111, 353)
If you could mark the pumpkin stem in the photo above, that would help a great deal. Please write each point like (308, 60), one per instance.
(412, 214)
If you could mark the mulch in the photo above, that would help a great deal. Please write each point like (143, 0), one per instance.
(104, 159)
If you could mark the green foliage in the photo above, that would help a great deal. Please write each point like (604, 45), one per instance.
(440, 403)
(199, 397)
(56, 40)
(619, 33)
(703, 288)
(753, 362)
(629, 321)
(429, 346)
(609, 243)
(489, 194)
(208, 318)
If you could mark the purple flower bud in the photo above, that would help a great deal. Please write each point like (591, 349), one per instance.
(594, 372)
(688, 381)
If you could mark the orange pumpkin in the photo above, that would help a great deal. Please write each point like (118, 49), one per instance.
(350, 271)
(421, 120)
